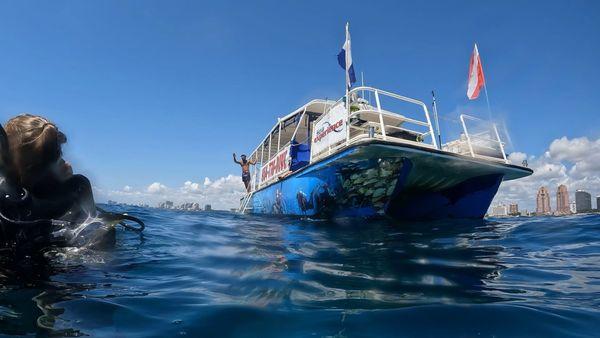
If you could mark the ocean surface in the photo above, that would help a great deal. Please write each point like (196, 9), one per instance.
(219, 274)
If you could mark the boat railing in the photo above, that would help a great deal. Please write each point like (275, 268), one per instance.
(363, 120)
(480, 140)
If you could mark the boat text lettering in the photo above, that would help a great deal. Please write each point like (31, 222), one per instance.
(276, 165)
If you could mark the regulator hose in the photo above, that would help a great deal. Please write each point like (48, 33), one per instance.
(122, 218)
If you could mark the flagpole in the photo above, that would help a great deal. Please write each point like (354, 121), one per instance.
(476, 62)
(487, 98)
(347, 76)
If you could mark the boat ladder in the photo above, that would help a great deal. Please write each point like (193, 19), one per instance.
(245, 202)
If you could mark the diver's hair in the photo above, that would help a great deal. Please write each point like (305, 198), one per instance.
(34, 143)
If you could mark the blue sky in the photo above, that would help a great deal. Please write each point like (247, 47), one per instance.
(165, 91)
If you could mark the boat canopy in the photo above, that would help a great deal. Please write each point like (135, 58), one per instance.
(293, 126)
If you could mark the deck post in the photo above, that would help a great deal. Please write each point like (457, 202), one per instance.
(278, 135)
(298, 125)
(262, 160)
(311, 129)
(380, 115)
(500, 143)
(462, 120)
(252, 176)
(430, 127)
(269, 153)
(347, 125)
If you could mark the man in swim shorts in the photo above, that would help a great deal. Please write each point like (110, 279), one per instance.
(245, 164)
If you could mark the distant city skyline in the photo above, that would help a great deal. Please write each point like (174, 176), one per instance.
(582, 202)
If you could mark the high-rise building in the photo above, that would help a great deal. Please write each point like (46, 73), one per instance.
(562, 200)
(543, 202)
(583, 201)
(573, 207)
(499, 210)
(513, 209)
(598, 203)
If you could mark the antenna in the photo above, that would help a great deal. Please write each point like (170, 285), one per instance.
(437, 122)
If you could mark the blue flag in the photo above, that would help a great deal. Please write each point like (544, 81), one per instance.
(345, 60)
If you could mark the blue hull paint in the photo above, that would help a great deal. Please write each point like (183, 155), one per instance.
(375, 180)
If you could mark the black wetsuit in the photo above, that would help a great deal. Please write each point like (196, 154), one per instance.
(72, 199)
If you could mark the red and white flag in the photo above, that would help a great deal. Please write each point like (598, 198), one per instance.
(476, 79)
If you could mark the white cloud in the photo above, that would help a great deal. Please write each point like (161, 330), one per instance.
(574, 150)
(191, 187)
(573, 162)
(222, 193)
(156, 188)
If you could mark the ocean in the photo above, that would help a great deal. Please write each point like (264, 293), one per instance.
(220, 274)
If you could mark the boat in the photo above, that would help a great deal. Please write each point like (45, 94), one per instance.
(374, 153)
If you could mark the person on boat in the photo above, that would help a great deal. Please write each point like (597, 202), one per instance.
(245, 164)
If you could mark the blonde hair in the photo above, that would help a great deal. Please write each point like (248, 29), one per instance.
(34, 143)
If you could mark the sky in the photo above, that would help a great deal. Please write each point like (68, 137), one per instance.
(155, 96)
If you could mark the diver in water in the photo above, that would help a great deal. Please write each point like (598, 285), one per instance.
(35, 164)
(39, 194)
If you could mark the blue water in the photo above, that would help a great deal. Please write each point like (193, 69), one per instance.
(218, 274)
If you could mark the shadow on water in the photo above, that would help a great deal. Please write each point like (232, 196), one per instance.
(383, 264)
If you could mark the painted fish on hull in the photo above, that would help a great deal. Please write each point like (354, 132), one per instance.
(348, 187)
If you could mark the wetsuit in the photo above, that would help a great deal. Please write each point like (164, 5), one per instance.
(72, 199)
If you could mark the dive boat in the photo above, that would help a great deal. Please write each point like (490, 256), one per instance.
(375, 153)
(353, 158)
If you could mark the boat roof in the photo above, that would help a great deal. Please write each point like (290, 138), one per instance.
(316, 106)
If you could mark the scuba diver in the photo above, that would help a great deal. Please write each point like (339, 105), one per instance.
(41, 201)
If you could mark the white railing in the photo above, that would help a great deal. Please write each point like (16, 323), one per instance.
(482, 143)
(377, 122)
